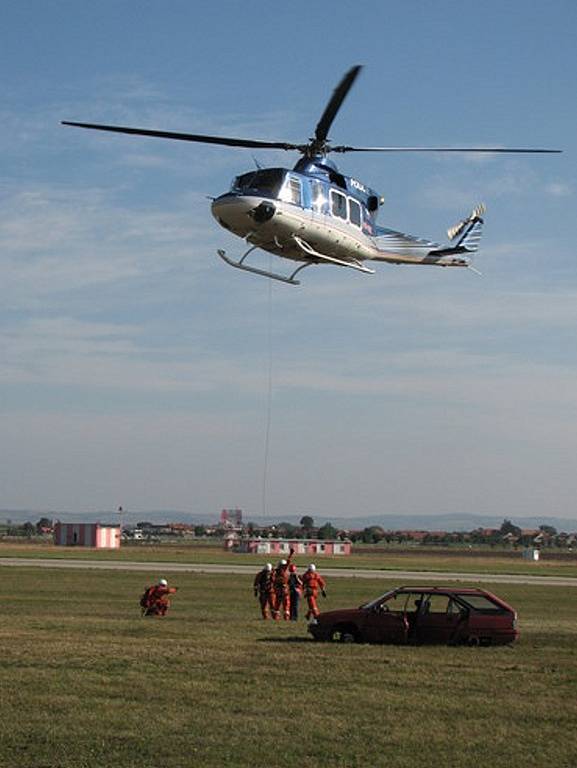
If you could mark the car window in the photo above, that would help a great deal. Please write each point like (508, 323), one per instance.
(481, 603)
(437, 604)
(397, 603)
(455, 607)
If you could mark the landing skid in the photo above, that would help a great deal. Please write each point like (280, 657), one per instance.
(265, 273)
(307, 249)
(310, 251)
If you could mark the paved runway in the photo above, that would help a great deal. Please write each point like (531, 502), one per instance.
(247, 570)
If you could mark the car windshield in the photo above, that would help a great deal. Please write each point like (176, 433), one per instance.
(378, 600)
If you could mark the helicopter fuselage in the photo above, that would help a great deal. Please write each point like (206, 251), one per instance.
(313, 213)
(270, 207)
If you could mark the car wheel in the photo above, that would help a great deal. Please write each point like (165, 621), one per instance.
(342, 634)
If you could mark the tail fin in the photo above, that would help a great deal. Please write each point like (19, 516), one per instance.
(468, 231)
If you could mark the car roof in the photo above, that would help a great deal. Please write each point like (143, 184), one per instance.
(454, 590)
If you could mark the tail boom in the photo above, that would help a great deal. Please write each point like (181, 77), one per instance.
(398, 248)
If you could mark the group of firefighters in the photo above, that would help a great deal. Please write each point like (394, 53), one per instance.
(278, 589)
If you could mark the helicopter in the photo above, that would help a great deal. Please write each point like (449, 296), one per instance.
(313, 214)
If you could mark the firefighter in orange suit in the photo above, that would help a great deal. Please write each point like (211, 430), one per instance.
(313, 583)
(281, 589)
(295, 590)
(155, 600)
(264, 589)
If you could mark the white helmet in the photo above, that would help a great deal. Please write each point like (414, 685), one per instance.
(163, 583)
(312, 567)
(282, 562)
(268, 567)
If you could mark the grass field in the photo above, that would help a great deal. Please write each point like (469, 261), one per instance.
(86, 682)
(198, 553)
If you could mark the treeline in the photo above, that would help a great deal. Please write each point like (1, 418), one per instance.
(508, 535)
(27, 530)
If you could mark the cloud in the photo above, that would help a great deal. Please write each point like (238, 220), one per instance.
(559, 189)
(462, 186)
(56, 240)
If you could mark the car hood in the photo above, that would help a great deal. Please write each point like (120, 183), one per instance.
(343, 614)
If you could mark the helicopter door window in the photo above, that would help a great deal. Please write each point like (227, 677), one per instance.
(291, 192)
(354, 213)
(318, 196)
(338, 205)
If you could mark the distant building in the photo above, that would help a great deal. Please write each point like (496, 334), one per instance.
(282, 547)
(97, 535)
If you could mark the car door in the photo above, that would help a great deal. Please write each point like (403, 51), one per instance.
(386, 622)
(438, 619)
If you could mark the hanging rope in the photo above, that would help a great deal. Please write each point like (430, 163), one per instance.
(269, 398)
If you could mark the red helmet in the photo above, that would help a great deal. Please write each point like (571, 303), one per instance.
(292, 568)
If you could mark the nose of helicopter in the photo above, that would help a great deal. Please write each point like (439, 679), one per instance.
(238, 213)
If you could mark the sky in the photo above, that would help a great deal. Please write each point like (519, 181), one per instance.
(137, 369)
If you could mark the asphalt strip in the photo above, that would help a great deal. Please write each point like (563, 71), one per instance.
(425, 577)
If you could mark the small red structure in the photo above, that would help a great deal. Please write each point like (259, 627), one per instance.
(97, 535)
(282, 547)
(231, 518)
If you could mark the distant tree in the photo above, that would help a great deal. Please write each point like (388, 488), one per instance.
(548, 529)
(286, 529)
(327, 531)
(307, 522)
(199, 530)
(44, 522)
(373, 534)
(508, 527)
(29, 529)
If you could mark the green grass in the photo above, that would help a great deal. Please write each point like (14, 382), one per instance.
(86, 682)
(200, 553)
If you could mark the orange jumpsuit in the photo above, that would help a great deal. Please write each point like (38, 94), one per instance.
(264, 587)
(155, 600)
(312, 583)
(281, 590)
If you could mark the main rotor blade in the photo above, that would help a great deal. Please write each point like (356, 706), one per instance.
(223, 140)
(334, 104)
(486, 150)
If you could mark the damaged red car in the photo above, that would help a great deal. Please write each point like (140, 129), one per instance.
(423, 615)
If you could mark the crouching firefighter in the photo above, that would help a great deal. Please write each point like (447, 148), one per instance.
(282, 589)
(263, 586)
(155, 599)
(313, 583)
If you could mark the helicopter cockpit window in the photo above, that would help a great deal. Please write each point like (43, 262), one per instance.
(354, 212)
(338, 204)
(291, 192)
(267, 182)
